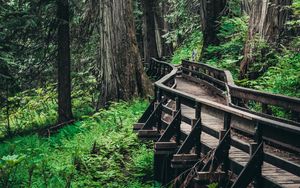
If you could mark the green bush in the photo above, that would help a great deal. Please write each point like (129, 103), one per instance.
(99, 151)
(229, 53)
(193, 43)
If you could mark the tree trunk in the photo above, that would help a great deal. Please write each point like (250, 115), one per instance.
(150, 46)
(210, 12)
(162, 27)
(267, 22)
(64, 62)
(246, 6)
(120, 70)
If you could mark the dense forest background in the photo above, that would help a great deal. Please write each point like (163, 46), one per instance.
(65, 62)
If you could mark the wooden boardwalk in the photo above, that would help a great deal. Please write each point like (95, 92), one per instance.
(215, 122)
(200, 117)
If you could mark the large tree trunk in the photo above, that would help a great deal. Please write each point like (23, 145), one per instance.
(267, 22)
(150, 46)
(64, 62)
(210, 12)
(120, 70)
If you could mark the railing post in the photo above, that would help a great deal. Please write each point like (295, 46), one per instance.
(178, 129)
(258, 137)
(158, 72)
(165, 71)
(158, 95)
(265, 109)
(227, 122)
(198, 136)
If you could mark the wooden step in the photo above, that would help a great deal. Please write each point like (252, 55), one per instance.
(184, 160)
(165, 147)
(138, 126)
(149, 135)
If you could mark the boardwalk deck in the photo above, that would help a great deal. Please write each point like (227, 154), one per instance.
(215, 122)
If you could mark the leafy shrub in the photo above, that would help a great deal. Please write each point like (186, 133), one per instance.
(282, 78)
(117, 159)
(193, 43)
(229, 53)
(37, 108)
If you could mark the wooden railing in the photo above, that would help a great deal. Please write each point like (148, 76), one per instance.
(254, 126)
(239, 97)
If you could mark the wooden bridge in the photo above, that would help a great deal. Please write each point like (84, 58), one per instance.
(205, 131)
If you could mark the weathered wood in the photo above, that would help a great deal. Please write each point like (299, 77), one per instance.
(251, 171)
(172, 128)
(210, 176)
(216, 116)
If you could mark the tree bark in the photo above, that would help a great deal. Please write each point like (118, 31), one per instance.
(150, 46)
(210, 12)
(246, 6)
(64, 62)
(162, 27)
(267, 22)
(120, 70)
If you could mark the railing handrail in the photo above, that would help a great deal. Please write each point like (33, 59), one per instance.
(286, 102)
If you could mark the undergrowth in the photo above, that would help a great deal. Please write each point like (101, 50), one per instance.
(37, 108)
(229, 53)
(190, 45)
(99, 151)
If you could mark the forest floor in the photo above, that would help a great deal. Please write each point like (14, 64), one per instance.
(99, 151)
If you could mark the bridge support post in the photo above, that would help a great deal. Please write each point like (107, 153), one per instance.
(163, 173)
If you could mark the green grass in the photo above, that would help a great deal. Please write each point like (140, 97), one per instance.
(99, 151)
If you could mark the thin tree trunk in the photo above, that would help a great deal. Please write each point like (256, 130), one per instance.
(267, 22)
(64, 62)
(150, 46)
(120, 70)
(162, 27)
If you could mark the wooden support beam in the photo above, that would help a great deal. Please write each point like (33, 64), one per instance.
(220, 153)
(210, 176)
(252, 170)
(172, 128)
(192, 140)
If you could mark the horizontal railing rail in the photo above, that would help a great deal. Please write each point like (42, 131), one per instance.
(240, 97)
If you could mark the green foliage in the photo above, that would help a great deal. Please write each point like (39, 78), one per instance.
(213, 185)
(193, 43)
(184, 21)
(37, 108)
(282, 78)
(229, 53)
(99, 151)
(26, 44)
(234, 7)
